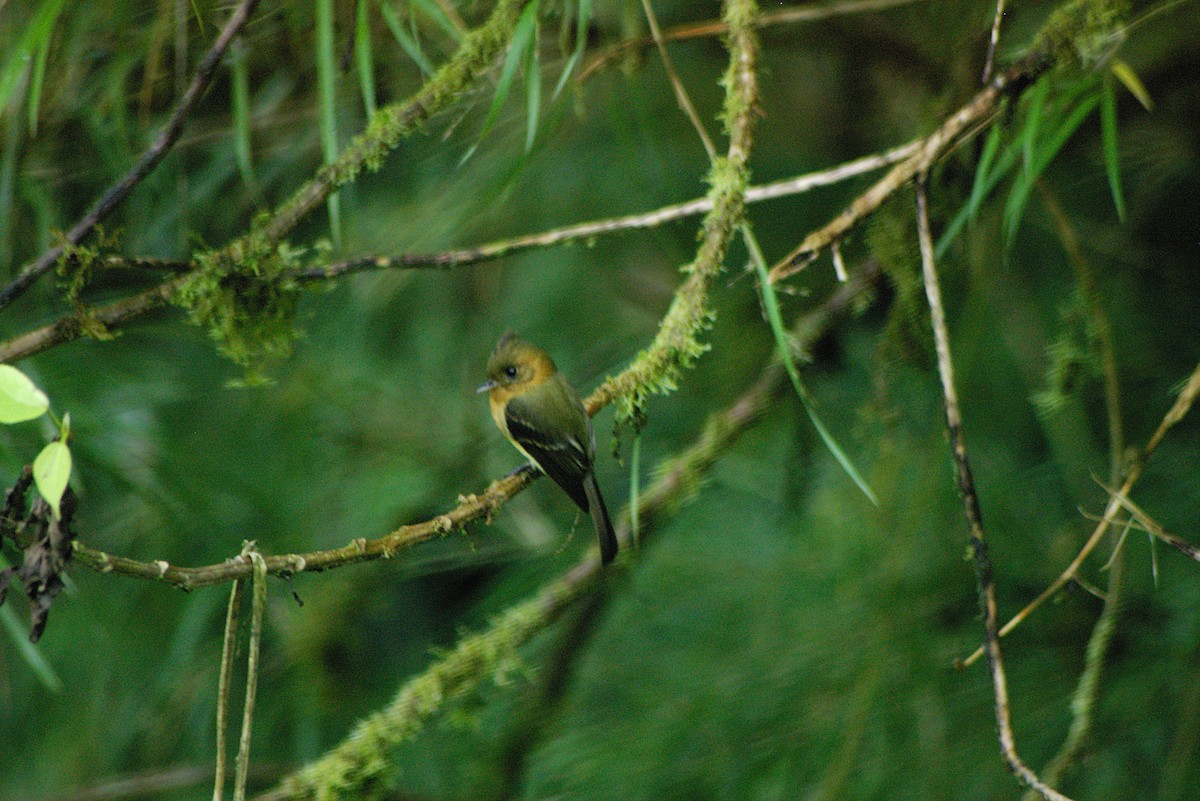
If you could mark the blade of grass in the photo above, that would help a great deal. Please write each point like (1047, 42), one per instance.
(775, 318)
(1133, 83)
(1003, 166)
(533, 94)
(982, 186)
(435, 13)
(35, 38)
(1108, 136)
(523, 38)
(363, 56)
(30, 653)
(635, 488)
(583, 19)
(1019, 195)
(240, 76)
(326, 88)
(407, 42)
(36, 80)
(1033, 121)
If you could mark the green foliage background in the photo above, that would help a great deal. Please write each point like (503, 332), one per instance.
(779, 637)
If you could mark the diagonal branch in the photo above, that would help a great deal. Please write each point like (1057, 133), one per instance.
(149, 159)
(676, 345)
(952, 132)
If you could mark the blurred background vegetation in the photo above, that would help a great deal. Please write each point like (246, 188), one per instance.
(779, 637)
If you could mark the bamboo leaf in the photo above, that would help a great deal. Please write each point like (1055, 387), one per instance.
(775, 318)
(406, 40)
(435, 13)
(30, 653)
(982, 186)
(1132, 82)
(242, 146)
(364, 58)
(583, 20)
(327, 90)
(1108, 137)
(523, 38)
(1047, 150)
(533, 95)
(35, 38)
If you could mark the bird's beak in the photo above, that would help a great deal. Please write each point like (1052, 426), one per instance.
(486, 387)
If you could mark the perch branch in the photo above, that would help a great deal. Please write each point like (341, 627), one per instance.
(355, 762)
(985, 582)
(149, 159)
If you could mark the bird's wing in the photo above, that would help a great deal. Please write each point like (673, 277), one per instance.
(562, 456)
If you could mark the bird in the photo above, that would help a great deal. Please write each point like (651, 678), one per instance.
(540, 413)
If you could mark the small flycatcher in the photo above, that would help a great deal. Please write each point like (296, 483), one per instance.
(541, 415)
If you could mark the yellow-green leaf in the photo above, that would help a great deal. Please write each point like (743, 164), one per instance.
(20, 399)
(1133, 83)
(51, 471)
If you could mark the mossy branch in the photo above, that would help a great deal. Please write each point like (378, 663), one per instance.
(242, 292)
(677, 345)
(358, 766)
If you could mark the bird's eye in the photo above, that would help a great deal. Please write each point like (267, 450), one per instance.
(510, 372)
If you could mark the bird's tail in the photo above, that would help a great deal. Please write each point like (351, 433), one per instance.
(604, 528)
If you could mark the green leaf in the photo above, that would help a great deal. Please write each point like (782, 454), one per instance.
(1041, 158)
(29, 652)
(533, 96)
(327, 90)
(982, 186)
(584, 18)
(35, 39)
(239, 74)
(775, 318)
(1108, 135)
(20, 399)
(409, 43)
(1003, 166)
(36, 80)
(523, 39)
(435, 13)
(364, 58)
(51, 471)
(1133, 83)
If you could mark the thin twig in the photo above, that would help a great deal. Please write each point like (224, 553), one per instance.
(226, 676)
(1178, 410)
(984, 578)
(696, 30)
(1154, 529)
(681, 94)
(581, 231)
(1087, 688)
(149, 159)
(951, 133)
(257, 608)
(992, 42)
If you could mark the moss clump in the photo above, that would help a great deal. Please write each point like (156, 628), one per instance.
(248, 308)
(1084, 33)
